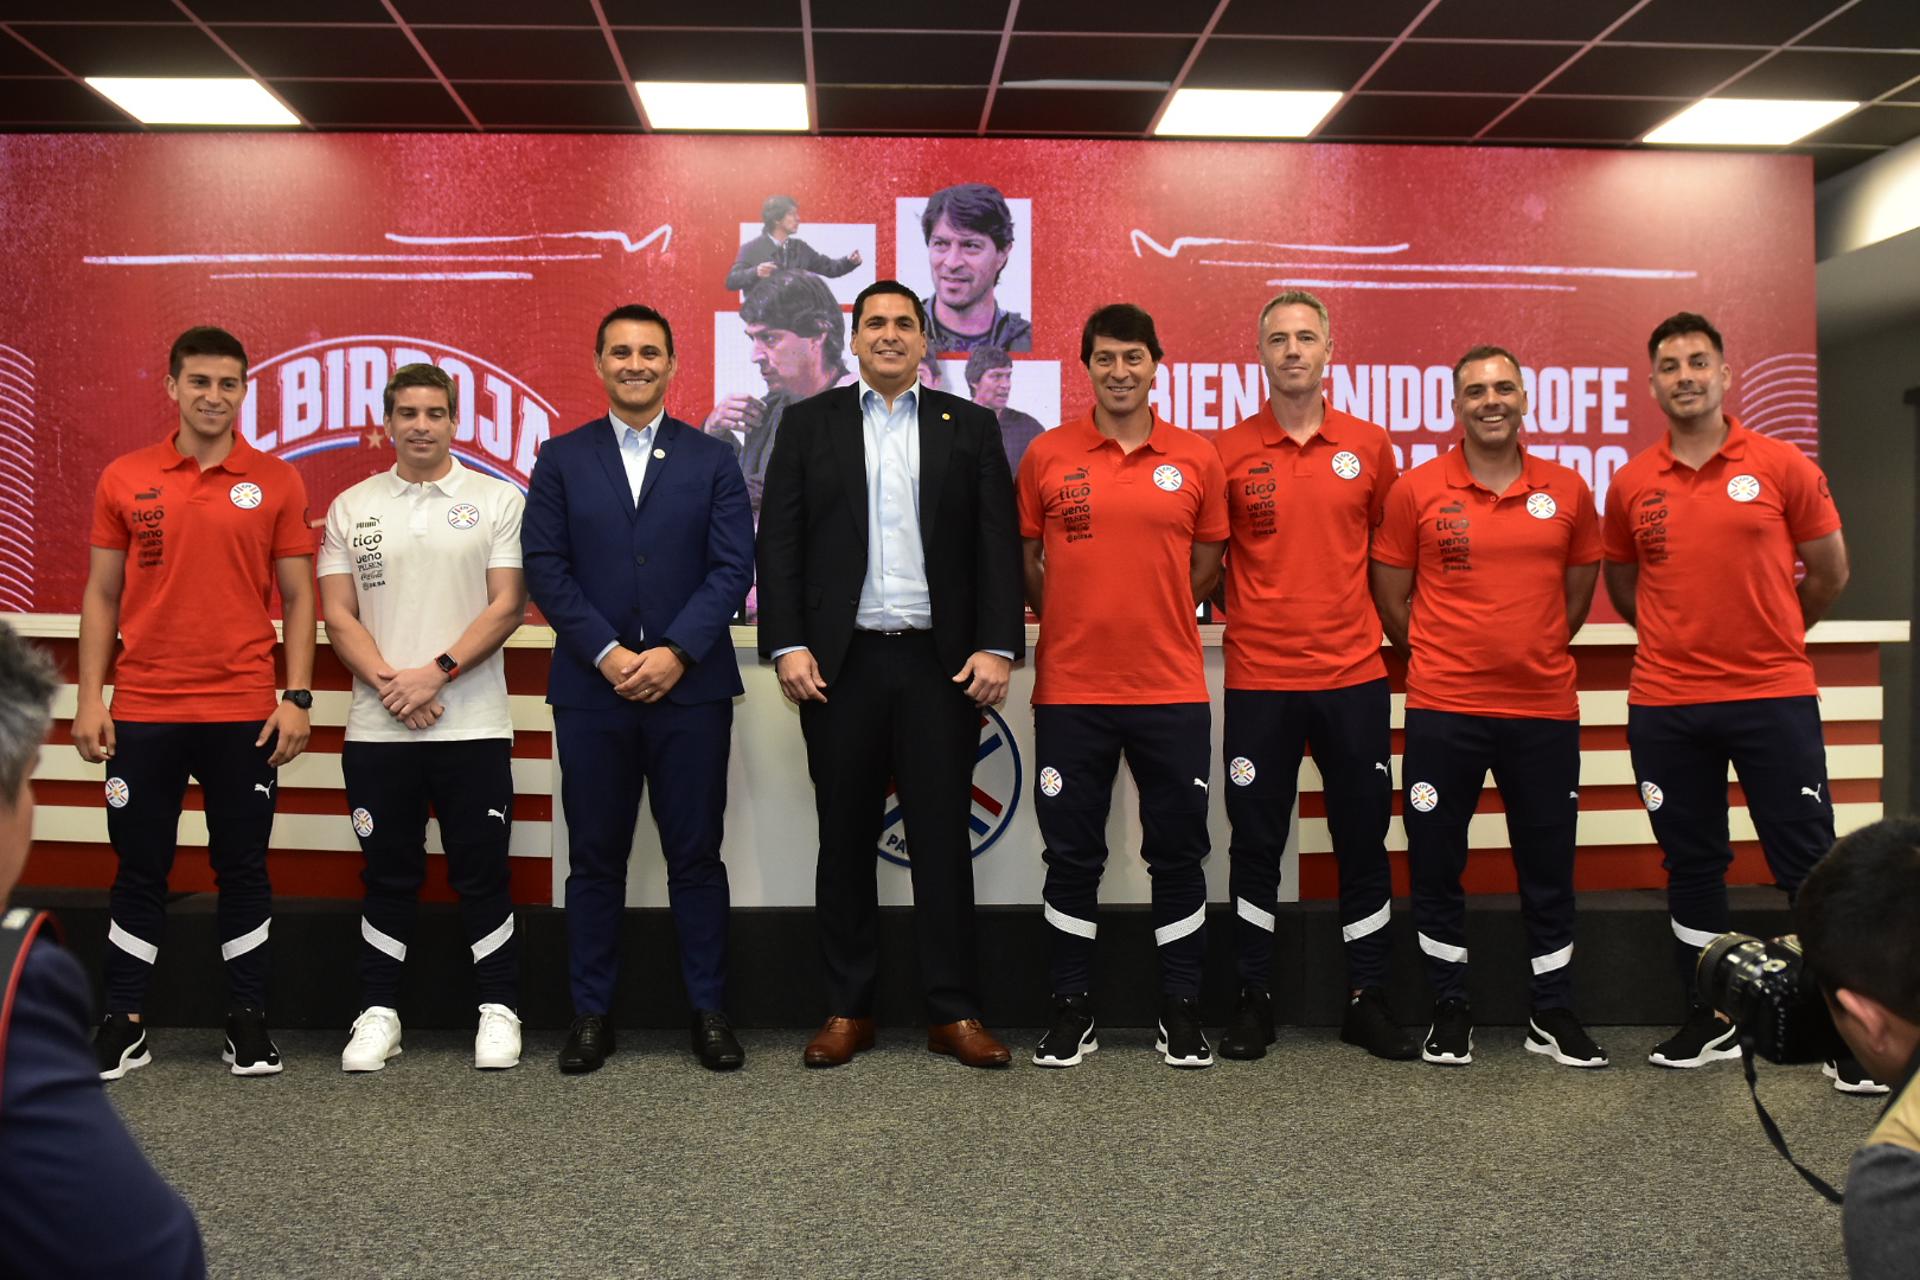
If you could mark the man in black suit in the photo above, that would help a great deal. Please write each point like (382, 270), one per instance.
(890, 601)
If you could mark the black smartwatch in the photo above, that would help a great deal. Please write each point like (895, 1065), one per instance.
(447, 664)
(301, 698)
(685, 659)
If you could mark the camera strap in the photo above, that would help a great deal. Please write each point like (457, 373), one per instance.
(1774, 1135)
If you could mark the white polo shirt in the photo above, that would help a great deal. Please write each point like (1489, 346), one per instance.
(418, 555)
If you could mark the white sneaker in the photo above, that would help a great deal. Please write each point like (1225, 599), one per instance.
(376, 1037)
(497, 1044)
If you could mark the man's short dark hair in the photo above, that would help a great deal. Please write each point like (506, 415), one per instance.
(1858, 915)
(1485, 351)
(1122, 322)
(776, 208)
(423, 375)
(889, 286)
(799, 302)
(985, 360)
(640, 315)
(1683, 322)
(28, 680)
(205, 340)
(970, 206)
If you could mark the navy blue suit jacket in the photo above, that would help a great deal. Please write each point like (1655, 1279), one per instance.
(77, 1197)
(673, 567)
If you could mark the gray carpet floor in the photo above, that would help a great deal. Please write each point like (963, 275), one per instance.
(1318, 1161)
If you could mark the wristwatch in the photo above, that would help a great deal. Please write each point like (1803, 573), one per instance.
(447, 664)
(301, 698)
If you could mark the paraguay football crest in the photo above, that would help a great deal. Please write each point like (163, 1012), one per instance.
(996, 793)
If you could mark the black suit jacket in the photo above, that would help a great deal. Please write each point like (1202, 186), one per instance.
(813, 530)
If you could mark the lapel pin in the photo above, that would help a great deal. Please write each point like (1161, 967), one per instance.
(659, 453)
(946, 417)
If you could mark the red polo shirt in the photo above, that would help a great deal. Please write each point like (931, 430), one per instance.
(1117, 625)
(1299, 615)
(1489, 626)
(200, 550)
(1719, 619)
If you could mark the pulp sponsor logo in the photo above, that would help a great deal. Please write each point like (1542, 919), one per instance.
(328, 394)
(996, 793)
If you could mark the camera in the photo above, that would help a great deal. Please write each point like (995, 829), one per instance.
(1766, 987)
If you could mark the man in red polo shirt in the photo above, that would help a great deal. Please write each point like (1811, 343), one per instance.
(190, 537)
(1306, 486)
(1483, 569)
(1124, 518)
(1701, 534)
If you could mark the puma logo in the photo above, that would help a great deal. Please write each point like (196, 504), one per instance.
(1382, 767)
(1813, 791)
(495, 813)
(1200, 783)
(1573, 795)
(266, 790)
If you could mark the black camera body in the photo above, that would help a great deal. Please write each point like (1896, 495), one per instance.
(1766, 987)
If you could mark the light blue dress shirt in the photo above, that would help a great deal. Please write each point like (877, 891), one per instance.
(893, 596)
(636, 448)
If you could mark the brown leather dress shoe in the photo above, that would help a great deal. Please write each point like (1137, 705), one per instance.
(837, 1041)
(968, 1041)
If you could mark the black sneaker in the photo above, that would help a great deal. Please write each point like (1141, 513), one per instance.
(1559, 1035)
(1703, 1038)
(1182, 1042)
(1369, 1024)
(250, 1050)
(1251, 1030)
(1450, 1039)
(1849, 1076)
(120, 1045)
(1070, 1038)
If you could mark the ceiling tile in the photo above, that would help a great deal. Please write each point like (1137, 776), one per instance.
(1393, 116)
(981, 15)
(899, 110)
(1723, 21)
(132, 51)
(734, 13)
(510, 13)
(1090, 111)
(1157, 58)
(845, 58)
(18, 60)
(1830, 161)
(1180, 17)
(519, 55)
(326, 52)
(324, 12)
(1634, 70)
(1884, 126)
(1909, 94)
(1585, 119)
(723, 56)
(97, 10)
(1521, 19)
(34, 102)
(1800, 73)
(1227, 62)
(1469, 68)
(588, 106)
(1371, 18)
(355, 104)
(1872, 24)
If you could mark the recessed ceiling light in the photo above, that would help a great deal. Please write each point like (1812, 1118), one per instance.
(1748, 122)
(1245, 113)
(193, 100)
(752, 108)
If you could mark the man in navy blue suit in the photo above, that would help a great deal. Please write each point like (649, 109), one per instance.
(76, 1195)
(638, 542)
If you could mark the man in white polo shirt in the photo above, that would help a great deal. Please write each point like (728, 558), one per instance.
(421, 583)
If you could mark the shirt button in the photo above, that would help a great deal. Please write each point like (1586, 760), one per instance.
(640, 559)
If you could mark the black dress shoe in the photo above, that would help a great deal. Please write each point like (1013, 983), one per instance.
(713, 1041)
(589, 1041)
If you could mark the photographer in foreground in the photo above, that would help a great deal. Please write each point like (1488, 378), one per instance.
(1858, 916)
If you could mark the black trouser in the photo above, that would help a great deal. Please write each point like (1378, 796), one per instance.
(1536, 765)
(146, 784)
(1680, 756)
(469, 785)
(894, 713)
(1265, 735)
(1168, 749)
